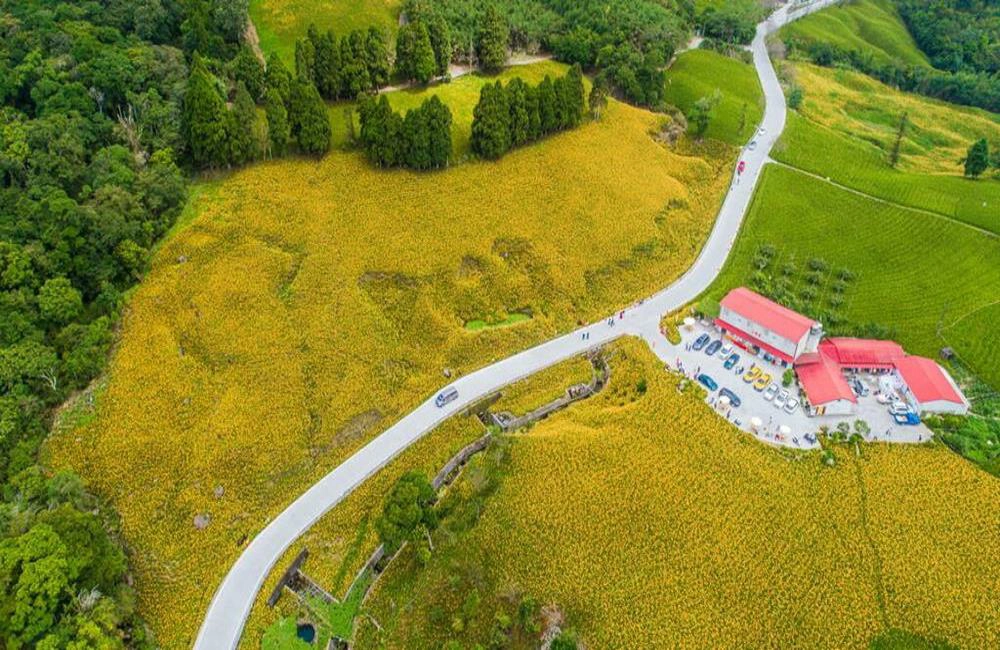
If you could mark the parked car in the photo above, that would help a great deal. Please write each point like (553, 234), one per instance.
(752, 145)
(909, 418)
(731, 361)
(726, 350)
(707, 382)
(771, 391)
(899, 408)
(790, 407)
(449, 394)
(762, 382)
(713, 347)
(780, 399)
(810, 438)
(752, 374)
(700, 342)
(734, 399)
(761, 131)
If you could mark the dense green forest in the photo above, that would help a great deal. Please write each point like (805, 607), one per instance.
(961, 38)
(92, 147)
(957, 35)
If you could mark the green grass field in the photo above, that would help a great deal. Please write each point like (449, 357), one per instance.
(976, 335)
(871, 26)
(280, 22)
(862, 166)
(698, 73)
(460, 95)
(914, 272)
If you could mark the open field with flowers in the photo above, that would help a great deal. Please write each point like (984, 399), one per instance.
(700, 73)
(896, 255)
(651, 523)
(280, 23)
(846, 128)
(544, 387)
(309, 304)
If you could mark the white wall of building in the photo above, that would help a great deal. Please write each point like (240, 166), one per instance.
(789, 347)
(835, 407)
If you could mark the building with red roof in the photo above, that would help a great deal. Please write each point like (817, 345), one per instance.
(929, 387)
(762, 325)
(825, 387)
(862, 354)
(777, 333)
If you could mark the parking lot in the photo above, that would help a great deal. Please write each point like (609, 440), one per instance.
(776, 425)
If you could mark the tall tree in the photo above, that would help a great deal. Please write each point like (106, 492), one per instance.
(517, 104)
(493, 39)
(547, 111)
(977, 160)
(278, 78)
(904, 121)
(491, 122)
(310, 122)
(204, 118)
(278, 129)
(440, 35)
(327, 66)
(243, 144)
(438, 119)
(354, 78)
(408, 511)
(377, 57)
(573, 90)
(702, 112)
(416, 139)
(249, 69)
(414, 54)
(598, 100)
(305, 59)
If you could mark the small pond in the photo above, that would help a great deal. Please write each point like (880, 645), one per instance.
(306, 632)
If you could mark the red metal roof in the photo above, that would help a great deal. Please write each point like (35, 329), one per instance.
(767, 313)
(927, 380)
(822, 379)
(753, 339)
(862, 353)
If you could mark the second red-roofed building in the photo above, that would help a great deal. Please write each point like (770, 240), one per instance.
(764, 326)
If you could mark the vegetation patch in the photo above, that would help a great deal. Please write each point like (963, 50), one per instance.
(370, 321)
(478, 324)
(607, 510)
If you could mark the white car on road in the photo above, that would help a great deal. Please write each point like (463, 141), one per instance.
(780, 399)
(791, 405)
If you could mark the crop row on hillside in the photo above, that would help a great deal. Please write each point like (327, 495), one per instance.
(652, 523)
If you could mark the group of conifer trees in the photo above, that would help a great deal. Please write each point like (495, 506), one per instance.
(518, 113)
(343, 68)
(420, 140)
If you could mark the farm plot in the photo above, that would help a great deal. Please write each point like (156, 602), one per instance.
(311, 303)
(607, 511)
(847, 127)
(896, 256)
(700, 73)
(976, 336)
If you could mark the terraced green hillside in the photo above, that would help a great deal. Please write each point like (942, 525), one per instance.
(700, 73)
(916, 273)
(871, 26)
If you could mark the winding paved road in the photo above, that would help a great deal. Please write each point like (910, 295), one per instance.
(224, 621)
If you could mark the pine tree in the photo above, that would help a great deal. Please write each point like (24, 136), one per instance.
(548, 116)
(327, 67)
(414, 53)
(491, 122)
(416, 139)
(278, 129)
(377, 57)
(248, 69)
(494, 35)
(977, 160)
(310, 122)
(517, 106)
(354, 78)
(305, 59)
(441, 43)
(204, 118)
(573, 88)
(242, 122)
(534, 118)
(380, 131)
(438, 119)
(278, 78)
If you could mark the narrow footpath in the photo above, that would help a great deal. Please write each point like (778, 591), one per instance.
(231, 605)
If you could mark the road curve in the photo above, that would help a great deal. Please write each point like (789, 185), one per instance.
(233, 600)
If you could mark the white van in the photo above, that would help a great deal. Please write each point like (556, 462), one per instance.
(449, 394)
